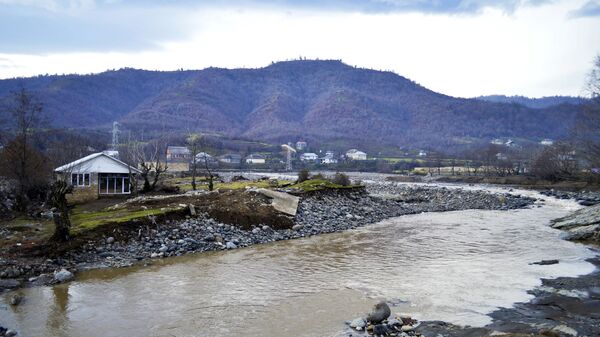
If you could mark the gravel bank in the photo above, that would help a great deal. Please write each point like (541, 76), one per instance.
(318, 213)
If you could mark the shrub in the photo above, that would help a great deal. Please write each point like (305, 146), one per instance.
(341, 179)
(303, 175)
(318, 176)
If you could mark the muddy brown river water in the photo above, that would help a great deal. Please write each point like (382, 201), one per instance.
(454, 266)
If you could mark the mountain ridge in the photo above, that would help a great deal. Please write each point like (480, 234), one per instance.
(321, 100)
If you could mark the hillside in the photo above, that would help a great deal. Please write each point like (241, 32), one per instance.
(325, 101)
(535, 103)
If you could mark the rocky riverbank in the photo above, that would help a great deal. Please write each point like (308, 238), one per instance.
(562, 307)
(318, 213)
(582, 225)
(584, 198)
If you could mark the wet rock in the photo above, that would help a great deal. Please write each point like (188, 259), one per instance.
(380, 312)
(10, 333)
(110, 240)
(63, 275)
(545, 262)
(230, 245)
(297, 227)
(565, 330)
(9, 284)
(358, 323)
(15, 300)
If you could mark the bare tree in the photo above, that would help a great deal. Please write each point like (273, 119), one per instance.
(555, 163)
(21, 159)
(587, 125)
(209, 174)
(148, 157)
(193, 142)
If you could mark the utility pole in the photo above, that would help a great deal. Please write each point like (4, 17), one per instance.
(289, 149)
(115, 135)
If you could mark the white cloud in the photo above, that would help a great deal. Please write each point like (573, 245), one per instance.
(535, 51)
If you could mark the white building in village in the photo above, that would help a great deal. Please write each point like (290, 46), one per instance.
(97, 175)
(354, 154)
(309, 157)
(255, 159)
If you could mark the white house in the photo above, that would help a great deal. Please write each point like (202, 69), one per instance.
(97, 175)
(497, 141)
(200, 157)
(501, 156)
(255, 159)
(355, 154)
(178, 159)
(231, 158)
(546, 142)
(301, 145)
(309, 156)
(329, 158)
(422, 153)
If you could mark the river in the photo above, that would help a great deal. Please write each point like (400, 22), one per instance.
(453, 266)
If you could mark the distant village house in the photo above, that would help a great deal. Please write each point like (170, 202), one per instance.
(255, 159)
(301, 145)
(178, 159)
(307, 157)
(230, 158)
(354, 154)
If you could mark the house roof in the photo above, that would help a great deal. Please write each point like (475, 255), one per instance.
(97, 162)
(178, 150)
(255, 156)
(354, 151)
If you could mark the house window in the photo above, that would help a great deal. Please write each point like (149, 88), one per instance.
(114, 183)
(80, 179)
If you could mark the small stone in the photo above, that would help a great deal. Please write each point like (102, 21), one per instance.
(297, 227)
(181, 241)
(15, 299)
(230, 245)
(358, 323)
(110, 240)
(256, 230)
(153, 255)
(265, 228)
(565, 329)
(163, 249)
(10, 333)
(546, 262)
(407, 328)
(63, 275)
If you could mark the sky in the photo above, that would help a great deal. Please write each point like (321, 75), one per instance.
(462, 48)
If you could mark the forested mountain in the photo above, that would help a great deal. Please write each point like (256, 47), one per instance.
(535, 103)
(327, 101)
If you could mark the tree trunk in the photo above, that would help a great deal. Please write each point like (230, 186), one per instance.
(62, 226)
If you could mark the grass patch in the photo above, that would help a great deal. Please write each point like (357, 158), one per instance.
(91, 220)
(185, 184)
(317, 185)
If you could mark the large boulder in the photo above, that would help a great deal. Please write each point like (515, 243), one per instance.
(380, 313)
(583, 224)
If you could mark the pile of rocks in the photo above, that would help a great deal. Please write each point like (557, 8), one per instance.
(378, 323)
(583, 224)
(4, 332)
(584, 198)
(439, 198)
